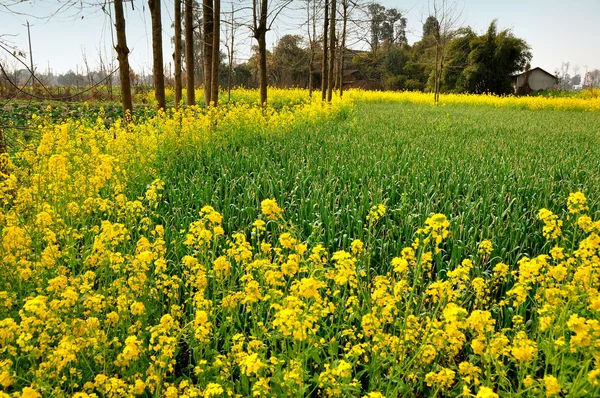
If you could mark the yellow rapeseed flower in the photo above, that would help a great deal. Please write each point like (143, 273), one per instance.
(376, 212)
(577, 202)
(486, 392)
(485, 248)
(271, 209)
(551, 385)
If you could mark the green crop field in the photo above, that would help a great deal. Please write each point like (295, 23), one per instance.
(375, 246)
(489, 170)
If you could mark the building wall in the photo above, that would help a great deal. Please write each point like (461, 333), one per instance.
(538, 80)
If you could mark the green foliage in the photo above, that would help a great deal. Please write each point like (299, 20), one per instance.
(453, 78)
(387, 26)
(395, 60)
(471, 63)
(369, 65)
(494, 57)
(290, 62)
(431, 26)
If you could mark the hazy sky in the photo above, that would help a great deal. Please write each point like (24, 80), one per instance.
(558, 31)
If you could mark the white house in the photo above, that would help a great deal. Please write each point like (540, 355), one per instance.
(537, 79)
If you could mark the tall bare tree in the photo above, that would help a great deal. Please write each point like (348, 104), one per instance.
(345, 5)
(260, 26)
(311, 30)
(324, 66)
(216, 53)
(448, 15)
(157, 54)
(330, 75)
(230, 46)
(177, 53)
(106, 69)
(189, 52)
(123, 57)
(207, 48)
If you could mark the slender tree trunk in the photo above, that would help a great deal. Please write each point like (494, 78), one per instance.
(435, 80)
(330, 74)
(157, 54)
(311, 61)
(230, 55)
(311, 41)
(189, 53)
(207, 25)
(442, 63)
(336, 69)
(260, 34)
(325, 68)
(177, 54)
(262, 66)
(216, 54)
(310, 73)
(343, 46)
(439, 75)
(123, 56)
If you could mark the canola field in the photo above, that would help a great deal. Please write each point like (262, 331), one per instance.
(378, 246)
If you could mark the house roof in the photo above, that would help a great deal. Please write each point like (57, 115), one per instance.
(536, 68)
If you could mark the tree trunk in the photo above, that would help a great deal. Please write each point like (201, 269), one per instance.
(189, 53)
(262, 66)
(435, 80)
(207, 45)
(157, 54)
(325, 69)
(336, 69)
(260, 34)
(230, 55)
(311, 42)
(216, 54)
(310, 73)
(343, 47)
(177, 54)
(442, 65)
(122, 55)
(330, 74)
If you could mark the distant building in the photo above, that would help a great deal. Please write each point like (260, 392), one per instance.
(535, 79)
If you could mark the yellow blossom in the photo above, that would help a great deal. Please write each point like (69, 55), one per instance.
(376, 212)
(552, 386)
(486, 392)
(271, 209)
(485, 247)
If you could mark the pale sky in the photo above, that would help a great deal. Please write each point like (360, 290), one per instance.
(558, 31)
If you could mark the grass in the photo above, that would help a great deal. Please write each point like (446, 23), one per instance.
(488, 169)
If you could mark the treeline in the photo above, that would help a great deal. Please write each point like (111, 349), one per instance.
(340, 44)
(467, 63)
(447, 58)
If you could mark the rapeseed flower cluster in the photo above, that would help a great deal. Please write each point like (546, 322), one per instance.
(376, 212)
(290, 97)
(289, 318)
(591, 103)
